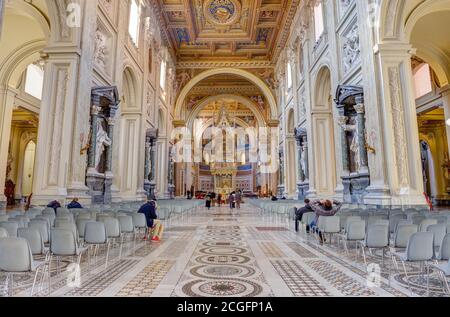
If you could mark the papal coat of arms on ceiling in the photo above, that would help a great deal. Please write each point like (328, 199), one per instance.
(222, 12)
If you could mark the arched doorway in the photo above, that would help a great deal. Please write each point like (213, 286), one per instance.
(28, 169)
(430, 69)
(21, 86)
(404, 37)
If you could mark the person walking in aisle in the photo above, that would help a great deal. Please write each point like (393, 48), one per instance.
(232, 200)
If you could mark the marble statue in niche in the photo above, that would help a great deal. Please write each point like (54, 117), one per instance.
(354, 148)
(103, 141)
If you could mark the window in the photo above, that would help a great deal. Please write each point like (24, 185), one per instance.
(422, 80)
(162, 78)
(318, 21)
(289, 76)
(133, 27)
(34, 81)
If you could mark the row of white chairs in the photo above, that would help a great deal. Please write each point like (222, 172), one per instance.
(426, 243)
(65, 237)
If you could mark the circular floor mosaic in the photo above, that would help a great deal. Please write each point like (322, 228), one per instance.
(223, 244)
(222, 288)
(222, 259)
(223, 250)
(222, 271)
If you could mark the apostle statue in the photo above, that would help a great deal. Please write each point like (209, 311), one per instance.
(354, 148)
(103, 141)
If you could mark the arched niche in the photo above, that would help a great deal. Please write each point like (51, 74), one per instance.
(324, 169)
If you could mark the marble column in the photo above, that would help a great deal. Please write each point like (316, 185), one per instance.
(149, 182)
(301, 175)
(7, 98)
(342, 121)
(95, 110)
(445, 92)
(361, 130)
(109, 176)
(109, 150)
(281, 185)
(2, 13)
(170, 175)
(305, 150)
(147, 161)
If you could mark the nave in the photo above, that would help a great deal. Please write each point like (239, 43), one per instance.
(223, 253)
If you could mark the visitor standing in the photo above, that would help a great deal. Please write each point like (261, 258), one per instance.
(232, 200)
(208, 201)
(238, 199)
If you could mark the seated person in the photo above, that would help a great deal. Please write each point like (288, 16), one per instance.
(300, 212)
(323, 208)
(54, 204)
(156, 227)
(74, 204)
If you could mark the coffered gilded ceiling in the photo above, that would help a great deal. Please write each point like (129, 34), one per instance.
(227, 30)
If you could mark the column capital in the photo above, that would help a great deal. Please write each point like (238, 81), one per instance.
(95, 110)
(395, 49)
(342, 121)
(360, 108)
(445, 91)
(179, 123)
(111, 121)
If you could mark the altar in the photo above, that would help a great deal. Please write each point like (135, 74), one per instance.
(224, 177)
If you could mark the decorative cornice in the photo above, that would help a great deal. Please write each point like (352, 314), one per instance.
(222, 64)
(285, 33)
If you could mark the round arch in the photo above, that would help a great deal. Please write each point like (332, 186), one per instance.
(290, 122)
(245, 101)
(322, 90)
(25, 8)
(129, 90)
(398, 18)
(229, 71)
(323, 171)
(15, 64)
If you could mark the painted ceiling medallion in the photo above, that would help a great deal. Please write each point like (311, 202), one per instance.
(222, 12)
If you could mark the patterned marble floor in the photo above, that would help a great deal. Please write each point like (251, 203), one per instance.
(219, 253)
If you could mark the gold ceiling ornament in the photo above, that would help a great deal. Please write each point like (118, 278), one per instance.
(222, 12)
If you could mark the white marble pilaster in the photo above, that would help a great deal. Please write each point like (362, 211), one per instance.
(400, 128)
(7, 97)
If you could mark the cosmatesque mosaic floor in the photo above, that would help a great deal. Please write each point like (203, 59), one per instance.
(219, 253)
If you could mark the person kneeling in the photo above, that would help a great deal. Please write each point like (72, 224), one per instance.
(155, 226)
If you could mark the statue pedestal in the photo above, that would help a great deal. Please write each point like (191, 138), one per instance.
(99, 186)
(303, 189)
(280, 191)
(355, 188)
(149, 188)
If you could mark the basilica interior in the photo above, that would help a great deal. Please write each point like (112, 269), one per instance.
(230, 115)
